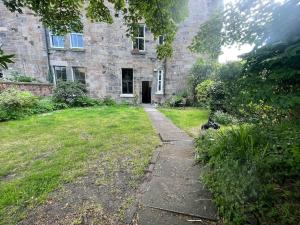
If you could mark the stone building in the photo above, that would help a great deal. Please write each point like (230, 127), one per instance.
(103, 57)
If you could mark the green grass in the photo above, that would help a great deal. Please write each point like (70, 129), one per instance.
(188, 119)
(41, 153)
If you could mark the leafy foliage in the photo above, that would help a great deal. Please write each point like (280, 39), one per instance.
(209, 45)
(224, 118)
(16, 104)
(254, 173)
(5, 59)
(203, 92)
(70, 93)
(202, 70)
(63, 16)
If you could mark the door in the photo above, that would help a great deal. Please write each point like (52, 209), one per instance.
(146, 92)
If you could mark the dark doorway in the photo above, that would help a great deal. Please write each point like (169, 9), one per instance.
(146, 92)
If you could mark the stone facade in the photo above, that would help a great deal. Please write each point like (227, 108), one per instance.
(42, 90)
(106, 51)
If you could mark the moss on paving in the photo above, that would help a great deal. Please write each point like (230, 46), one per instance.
(188, 119)
(40, 154)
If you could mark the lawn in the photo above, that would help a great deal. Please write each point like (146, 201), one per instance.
(188, 119)
(40, 154)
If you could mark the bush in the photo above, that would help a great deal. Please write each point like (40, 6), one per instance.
(254, 173)
(108, 101)
(203, 91)
(43, 106)
(72, 94)
(16, 104)
(224, 118)
(86, 101)
(18, 77)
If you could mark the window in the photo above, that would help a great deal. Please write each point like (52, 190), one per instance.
(161, 39)
(57, 41)
(160, 82)
(139, 41)
(77, 40)
(79, 74)
(127, 81)
(60, 73)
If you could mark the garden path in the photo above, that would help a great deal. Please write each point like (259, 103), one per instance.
(174, 195)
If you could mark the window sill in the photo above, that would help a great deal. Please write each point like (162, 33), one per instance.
(159, 93)
(77, 49)
(138, 52)
(127, 96)
(58, 49)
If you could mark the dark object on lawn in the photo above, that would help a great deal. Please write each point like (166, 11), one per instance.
(210, 124)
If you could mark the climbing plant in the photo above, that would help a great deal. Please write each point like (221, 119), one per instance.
(62, 16)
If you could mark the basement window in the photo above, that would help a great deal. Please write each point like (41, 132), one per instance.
(127, 81)
(60, 73)
(79, 74)
(139, 41)
(57, 41)
(77, 40)
(160, 82)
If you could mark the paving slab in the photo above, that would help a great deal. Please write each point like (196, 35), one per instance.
(150, 216)
(180, 195)
(179, 149)
(184, 168)
(175, 194)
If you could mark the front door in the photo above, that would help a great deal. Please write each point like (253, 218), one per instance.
(146, 92)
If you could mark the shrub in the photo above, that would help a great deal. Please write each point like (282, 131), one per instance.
(224, 118)
(108, 101)
(43, 106)
(86, 101)
(203, 91)
(70, 93)
(16, 104)
(254, 173)
(18, 77)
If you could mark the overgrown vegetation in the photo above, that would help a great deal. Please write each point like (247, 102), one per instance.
(253, 168)
(254, 172)
(40, 154)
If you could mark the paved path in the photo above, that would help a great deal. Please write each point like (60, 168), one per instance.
(174, 195)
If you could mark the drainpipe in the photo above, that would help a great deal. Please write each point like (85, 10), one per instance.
(165, 75)
(48, 56)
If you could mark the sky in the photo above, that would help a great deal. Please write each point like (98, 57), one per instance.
(231, 53)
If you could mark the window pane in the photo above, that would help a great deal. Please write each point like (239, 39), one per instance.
(60, 73)
(77, 40)
(161, 39)
(58, 41)
(141, 44)
(79, 74)
(127, 81)
(141, 31)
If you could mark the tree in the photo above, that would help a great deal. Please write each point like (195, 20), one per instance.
(63, 16)
(271, 71)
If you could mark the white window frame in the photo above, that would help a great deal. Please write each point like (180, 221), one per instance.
(160, 81)
(71, 44)
(55, 80)
(144, 38)
(51, 41)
